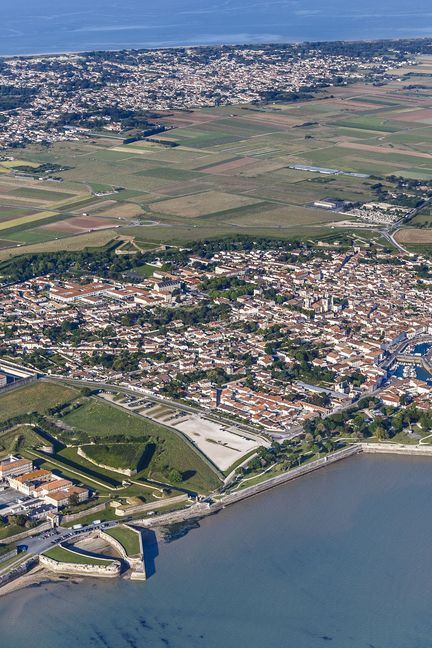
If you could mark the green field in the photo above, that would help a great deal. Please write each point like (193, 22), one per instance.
(19, 439)
(42, 194)
(118, 439)
(128, 538)
(37, 397)
(120, 455)
(98, 419)
(165, 450)
(228, 175)
(10, 530)
(423, 219)
(62, 555)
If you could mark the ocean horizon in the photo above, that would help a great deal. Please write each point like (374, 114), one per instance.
(46, 27)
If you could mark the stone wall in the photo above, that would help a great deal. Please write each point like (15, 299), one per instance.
(203, 509)
(104, 571)
(18, 383)
(26, 534)
(123, 471)
(142, 508)
(139, 572)
(397, 448)
(16, 572)
(9, 554)
(76, 516)
(135, 563)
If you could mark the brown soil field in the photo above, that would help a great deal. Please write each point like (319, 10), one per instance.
(197, 205)
(383, 149)
(97, 206)
(184, 119)
(287, 216)
(228, 167)
(5, 244)
(346, 103)
(80, 224)
(178, 122)
(280, 119)
(263, 166)
(199, 116)
(413, 115)
(411, 235)
(120, 210)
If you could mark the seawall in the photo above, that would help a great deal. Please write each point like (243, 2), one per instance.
(202, 509)
(136, 563)
(105, 571)
(397, 448)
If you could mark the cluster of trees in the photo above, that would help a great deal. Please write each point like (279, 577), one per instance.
(12, 97)
(125, 361)
(290, 453)
(423, 271)
(303, 370)
(392, 421)
(177, 388)
(201, 314)
(73, 264)
(389, 49)
(20, 520)
(48, 167)
(385, 425)
(228, 287)
(105, 262)
(44, 360)
(403, 200)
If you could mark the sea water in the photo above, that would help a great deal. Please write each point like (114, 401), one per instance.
(340, 558)
(36, 26)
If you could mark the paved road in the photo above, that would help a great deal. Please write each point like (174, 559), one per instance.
(48, 539)
(390, 232)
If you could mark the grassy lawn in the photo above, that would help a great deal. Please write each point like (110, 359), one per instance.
(36, 397)
(18, 439)
(128, 538)
(119, 455)
(42, 194)
(70, 465)
(165, 449)
(97, 419)
(62, 555)
(10, 530)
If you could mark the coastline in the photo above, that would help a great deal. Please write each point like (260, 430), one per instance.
(185, 519)
(36, 577)
(196, 45)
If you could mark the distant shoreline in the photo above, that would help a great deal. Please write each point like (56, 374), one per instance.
(256, 44)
